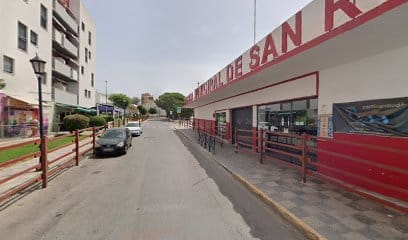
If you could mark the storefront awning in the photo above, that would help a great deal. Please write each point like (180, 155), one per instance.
(24, 100)
(77, 108)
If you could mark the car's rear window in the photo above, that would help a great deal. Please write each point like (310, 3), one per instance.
(114, 133)
(132, 125)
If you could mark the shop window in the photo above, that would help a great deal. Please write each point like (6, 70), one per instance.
(34, 38)
(43, 17)
(8, 64)
(295, 117)
(22, 36)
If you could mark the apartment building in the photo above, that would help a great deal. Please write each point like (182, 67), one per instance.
(63, 34)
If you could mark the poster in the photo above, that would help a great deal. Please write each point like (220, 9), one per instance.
(380, 117)
(325, 126)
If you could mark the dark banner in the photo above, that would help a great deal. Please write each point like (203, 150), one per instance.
(383, 116)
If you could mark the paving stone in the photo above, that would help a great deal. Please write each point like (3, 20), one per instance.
(386, 231)
(352, 223)
(288, 204)
(364, 219)
(288, 195)
(338, 227)
(354, 236)
(314, 222)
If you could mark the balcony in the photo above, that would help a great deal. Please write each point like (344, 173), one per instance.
(63, 71)
(61, 96)
(63, 44)
(63, 16)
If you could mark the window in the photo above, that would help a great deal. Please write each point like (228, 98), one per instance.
(92, 79)
(86, 93)
(89, 94)
(86, 54)
(34, 38)
(22, 36)
(83, 26)
(296, 116)
(8, 64)
(89, 38)
(89, 55)
(82, 70)
(43, 17)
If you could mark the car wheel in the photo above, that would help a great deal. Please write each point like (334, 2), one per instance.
(125, 150)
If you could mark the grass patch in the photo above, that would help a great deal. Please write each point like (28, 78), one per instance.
(10, 154)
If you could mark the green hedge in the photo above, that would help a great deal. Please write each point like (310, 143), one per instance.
(96, 121)
(76, 121)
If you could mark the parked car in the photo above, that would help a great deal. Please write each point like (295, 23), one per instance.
(135, 128)
(113, 141)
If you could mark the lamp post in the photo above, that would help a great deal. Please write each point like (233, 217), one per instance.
(39, 69)
(124, 113)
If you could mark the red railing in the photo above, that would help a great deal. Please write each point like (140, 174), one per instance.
(186, 123)
(246, 140)
(301, 151)
(46, 167)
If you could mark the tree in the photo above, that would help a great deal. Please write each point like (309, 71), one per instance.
(135, 100)
(142, 110)
(186, 112)
(120, 100)
(2, 84)
(170, 102)
(152, 111)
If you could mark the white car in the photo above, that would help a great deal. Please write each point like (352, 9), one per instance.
(134, 128)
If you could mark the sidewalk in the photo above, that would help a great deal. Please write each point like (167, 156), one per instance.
(20, 166)
(331, 211)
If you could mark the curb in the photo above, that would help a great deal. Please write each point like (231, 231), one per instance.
(300, 225)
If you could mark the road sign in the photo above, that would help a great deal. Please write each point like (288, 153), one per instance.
(178, 109)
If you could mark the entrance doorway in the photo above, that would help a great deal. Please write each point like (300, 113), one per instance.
(241, 119)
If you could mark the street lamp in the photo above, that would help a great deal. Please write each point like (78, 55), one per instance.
(39, 69)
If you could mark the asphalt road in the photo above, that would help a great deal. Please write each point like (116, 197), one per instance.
(164, 188)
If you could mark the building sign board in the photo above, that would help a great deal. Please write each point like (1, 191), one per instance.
(383, 117)
(309, 27)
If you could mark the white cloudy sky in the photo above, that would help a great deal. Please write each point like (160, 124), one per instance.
(159, 46)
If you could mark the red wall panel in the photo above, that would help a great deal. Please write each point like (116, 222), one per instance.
(378, 170)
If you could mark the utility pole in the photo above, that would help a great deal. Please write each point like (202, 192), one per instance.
(254, 22)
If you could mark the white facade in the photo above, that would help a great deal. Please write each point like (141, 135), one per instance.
(22, 82)
(60, 42)
(87, 41)
(102, 98)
